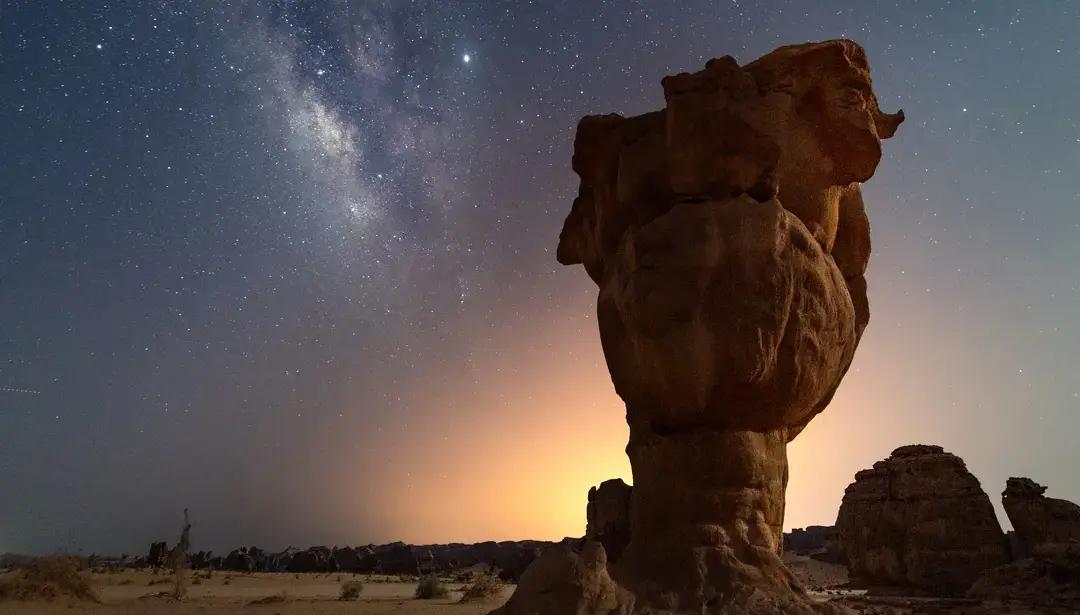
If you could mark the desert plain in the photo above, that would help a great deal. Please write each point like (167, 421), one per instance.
(269, 593)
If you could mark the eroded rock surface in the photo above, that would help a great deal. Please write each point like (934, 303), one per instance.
(728, 239)
(1044, 526)
(920, 520)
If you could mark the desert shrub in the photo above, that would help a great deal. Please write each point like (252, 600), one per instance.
(47, 578)
(350, 590)
(484, 585)
(197, 581)
(125, 582)
(430, 586)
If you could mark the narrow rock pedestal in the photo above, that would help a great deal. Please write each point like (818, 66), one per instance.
(728, 239)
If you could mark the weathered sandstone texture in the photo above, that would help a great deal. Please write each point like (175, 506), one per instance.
(1045, 526)
(728, 239)
(920, 520)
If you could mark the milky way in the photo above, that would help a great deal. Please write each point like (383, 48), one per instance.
(291, 264)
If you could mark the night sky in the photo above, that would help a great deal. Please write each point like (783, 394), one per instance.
(292, 264)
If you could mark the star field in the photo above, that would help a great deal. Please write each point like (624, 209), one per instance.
(291, 264)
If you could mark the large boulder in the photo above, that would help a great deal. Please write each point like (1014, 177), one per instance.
(1044, 526)
(920, 520)
(570, 579)
(728, 239)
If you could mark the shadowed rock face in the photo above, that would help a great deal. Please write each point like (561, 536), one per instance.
(608, 516)
(1045, 526)
(920, 519)
(728, 239)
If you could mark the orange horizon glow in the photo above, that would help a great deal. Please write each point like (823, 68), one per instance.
(510, 451)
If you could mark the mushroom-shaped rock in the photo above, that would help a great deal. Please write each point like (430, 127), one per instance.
(728, 239)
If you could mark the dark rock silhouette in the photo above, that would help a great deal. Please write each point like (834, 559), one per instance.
(509, 558)
(608, 516)
(810, 539)
(920, 520)
(1044, 526)
(728, 239)
(155, 558)
(1043, 584)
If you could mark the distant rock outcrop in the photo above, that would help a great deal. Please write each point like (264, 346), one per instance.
(1044, 526)
(608, 516)
(728, 238)
(812, 538)
(919, 519)
(158, 552)
(314, 559)
(509, 558)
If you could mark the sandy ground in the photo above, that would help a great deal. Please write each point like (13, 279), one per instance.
(816, 576)
(132, 592)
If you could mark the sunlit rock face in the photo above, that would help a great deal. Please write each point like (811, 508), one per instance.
(728, 239)
(919, 519)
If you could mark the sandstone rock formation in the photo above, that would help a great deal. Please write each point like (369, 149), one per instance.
(1042, 584)
(728, 239)
(919, 519)
(570, 580)
(509, 558)
(810, 539)
(1044, 526)
(608, 517)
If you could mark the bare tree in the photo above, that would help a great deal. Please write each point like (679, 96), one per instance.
(178, 559)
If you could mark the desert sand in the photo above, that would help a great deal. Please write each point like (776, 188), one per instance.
(133, 591)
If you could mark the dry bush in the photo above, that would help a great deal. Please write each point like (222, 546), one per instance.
(45, 578)
(350, 590)
(484, 585)
(430, 586)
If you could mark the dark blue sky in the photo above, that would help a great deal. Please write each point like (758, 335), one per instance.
(291, 264)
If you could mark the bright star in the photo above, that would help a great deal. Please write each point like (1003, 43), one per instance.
(99, 46)
(466, 58)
